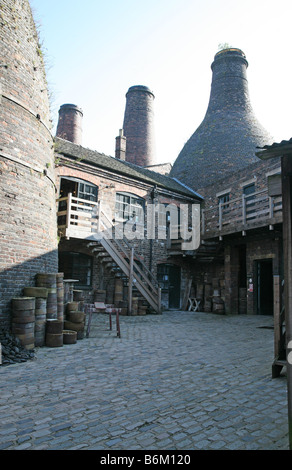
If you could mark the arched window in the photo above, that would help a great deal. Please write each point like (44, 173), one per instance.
(79, 188)
(129, 206)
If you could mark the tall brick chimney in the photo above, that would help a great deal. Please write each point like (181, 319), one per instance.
(139, 126)
(121, 143)
(70, 123)
(227, 138)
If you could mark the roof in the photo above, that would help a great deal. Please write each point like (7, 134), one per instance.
(275, 149)
(100, 160)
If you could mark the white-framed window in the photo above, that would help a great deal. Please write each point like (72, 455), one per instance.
(129, 207)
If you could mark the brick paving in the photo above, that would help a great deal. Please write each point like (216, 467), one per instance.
(177, 381)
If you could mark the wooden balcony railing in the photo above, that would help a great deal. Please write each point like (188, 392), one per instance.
(240, 214)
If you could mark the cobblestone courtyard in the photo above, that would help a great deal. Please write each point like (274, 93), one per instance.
(177, 381)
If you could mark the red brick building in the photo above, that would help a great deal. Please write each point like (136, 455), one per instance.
(114, 194)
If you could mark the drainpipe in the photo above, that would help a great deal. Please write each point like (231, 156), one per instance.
(153, 196)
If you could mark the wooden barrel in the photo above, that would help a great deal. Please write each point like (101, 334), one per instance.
(135, 305)
(72, 307)
(52, 309)
(40, 321)
(48, 280)
(78, 295)
(66, 292)
(99, 295)
(54, 326)
(60, 295)
(54, 340)
(69, 337)
(119, 290)
(35, 292)
(23, 320)
(142, 307)
(142, 310)
(75, 316)
(78, 327)
(69, 325)
(25, 333)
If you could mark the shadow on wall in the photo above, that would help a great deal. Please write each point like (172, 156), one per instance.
(13, 280)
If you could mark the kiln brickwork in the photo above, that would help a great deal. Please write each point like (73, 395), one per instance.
(138, 126)
(27, 187)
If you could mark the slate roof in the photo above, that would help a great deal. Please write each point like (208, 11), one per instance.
(100, 160)
(275, 150)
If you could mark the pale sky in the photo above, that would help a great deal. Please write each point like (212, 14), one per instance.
(97, 49)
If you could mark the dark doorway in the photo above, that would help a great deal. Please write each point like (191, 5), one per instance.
(174, 287)
(265, 298)
(169, 278)
(242, 290)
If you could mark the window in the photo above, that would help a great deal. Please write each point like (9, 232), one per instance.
(87, 191)
(223, 199)
(76, 266)
(129, 206)
(78, 188)
(168, 213)
(249, 197)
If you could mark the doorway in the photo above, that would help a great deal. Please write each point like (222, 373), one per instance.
(169, 279)
(264, 294)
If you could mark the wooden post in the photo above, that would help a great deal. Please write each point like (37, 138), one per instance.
(118, 323)
(277, 320)
(271, 207)
(243, 210)
(99, 217)
(68, 215)
(286, 162)
(130, 291)
(203, 221)
(220, 216)
(159, 299)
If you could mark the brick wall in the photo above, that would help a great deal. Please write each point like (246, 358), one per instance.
(151, 252)
(27, 191)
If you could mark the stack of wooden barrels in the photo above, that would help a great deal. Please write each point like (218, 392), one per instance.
(100, 296)
(38, 316)
(23, 320)
(119, 291)
(75, 319)
(142, 307)
(49, 281)
(60, 295)
(40, 294)
(54, 333)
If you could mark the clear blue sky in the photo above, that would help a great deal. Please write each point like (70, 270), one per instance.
(97, 49)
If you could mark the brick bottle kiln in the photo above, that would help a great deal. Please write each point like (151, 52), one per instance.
(28, 211)
(229, 134)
